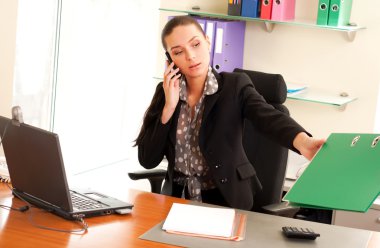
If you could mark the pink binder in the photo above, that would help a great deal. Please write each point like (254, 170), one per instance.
(283, 10)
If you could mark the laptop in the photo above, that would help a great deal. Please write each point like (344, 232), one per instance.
(38, 174)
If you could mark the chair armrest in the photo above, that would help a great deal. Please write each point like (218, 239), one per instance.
(285, 209)
(146, 174)
(155, 177)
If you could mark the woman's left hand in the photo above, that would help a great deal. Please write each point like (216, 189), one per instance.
(306, 145)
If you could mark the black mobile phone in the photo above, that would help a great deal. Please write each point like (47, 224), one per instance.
(170, 61)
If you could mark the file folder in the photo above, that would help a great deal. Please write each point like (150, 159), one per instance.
(234, 7)
(266, 9)
(229, 45)
(283, 10)
(250, 8)
(210, 32)
(323, 12)
(343, 175)
(340, 12)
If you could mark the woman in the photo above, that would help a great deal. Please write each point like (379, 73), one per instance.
(196, 120)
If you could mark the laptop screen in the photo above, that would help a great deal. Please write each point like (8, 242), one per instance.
(35, 162)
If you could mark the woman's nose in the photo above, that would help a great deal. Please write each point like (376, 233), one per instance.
(190, 55)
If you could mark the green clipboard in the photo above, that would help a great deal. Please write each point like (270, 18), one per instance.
(343, 175)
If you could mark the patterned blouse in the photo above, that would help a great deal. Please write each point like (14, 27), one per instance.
(190, 166)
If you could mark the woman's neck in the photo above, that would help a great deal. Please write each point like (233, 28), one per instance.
(195, 87)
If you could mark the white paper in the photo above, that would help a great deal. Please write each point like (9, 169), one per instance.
(200, 220)
(296, 165)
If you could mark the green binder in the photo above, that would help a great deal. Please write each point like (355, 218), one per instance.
(340, 12)
(343, 175)
(323, 12)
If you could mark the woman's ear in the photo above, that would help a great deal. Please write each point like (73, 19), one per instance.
(208, 42)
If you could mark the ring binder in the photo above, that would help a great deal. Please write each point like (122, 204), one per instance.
(375, 141)
(354, 140)
(343, 175)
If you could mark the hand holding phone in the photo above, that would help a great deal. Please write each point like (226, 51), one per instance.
(170, 61)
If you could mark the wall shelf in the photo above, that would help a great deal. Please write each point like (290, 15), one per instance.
(319, 96)
(269, 25)
(323, 97)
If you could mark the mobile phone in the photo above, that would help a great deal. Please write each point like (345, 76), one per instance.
(170, 61)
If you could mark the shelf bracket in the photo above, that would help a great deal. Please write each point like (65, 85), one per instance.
(269, 26)
(342, 107)
(351, 35)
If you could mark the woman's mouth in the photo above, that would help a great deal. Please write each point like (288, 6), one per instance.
(194, 66)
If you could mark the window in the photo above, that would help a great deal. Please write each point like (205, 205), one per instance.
(105, 55)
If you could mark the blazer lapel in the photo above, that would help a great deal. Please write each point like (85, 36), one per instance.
(211, 99)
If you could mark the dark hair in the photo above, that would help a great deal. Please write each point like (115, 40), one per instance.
(153, 113)
(178, 21)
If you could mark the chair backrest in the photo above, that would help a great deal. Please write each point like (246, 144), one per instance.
(268, 157)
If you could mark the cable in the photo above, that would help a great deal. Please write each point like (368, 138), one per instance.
(81, 221)
(21, 209)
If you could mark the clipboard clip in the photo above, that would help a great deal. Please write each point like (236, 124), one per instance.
(375, 141)
(355, 140)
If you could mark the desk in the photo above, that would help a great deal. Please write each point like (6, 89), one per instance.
(369, 220)
(105, 231)
(109, 231)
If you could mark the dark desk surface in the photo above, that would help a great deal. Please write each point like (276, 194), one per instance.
(105, 231)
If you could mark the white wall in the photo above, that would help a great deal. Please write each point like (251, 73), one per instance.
(8, 17)
(322, 59)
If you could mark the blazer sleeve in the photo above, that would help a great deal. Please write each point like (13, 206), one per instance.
(151, 148)
(275, 124)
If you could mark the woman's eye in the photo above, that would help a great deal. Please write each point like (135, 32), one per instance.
(197, 44)
(177, 53)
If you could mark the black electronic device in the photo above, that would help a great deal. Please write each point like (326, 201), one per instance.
(170, 61)
(299, 233)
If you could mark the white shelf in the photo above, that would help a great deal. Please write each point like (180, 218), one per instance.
(350, 30)
(322, 96)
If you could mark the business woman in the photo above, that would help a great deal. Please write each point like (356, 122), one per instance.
(196, 119)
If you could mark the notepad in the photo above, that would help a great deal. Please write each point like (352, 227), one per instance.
(210, 222)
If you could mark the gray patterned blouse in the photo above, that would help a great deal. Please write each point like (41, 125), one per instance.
(190, 165)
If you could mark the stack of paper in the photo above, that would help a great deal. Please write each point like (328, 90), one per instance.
(220, 223)
(344, 174)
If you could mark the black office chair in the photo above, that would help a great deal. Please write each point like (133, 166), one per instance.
(268, 157)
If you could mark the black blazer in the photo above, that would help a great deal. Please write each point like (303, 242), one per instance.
(220, 137)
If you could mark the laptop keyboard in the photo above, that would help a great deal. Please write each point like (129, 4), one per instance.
(82, 203)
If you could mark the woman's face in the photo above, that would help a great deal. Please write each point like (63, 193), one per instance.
(190, 50)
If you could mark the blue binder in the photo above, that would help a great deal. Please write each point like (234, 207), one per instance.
(250, 8)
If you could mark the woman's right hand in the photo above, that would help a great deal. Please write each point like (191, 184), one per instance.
(171, 89)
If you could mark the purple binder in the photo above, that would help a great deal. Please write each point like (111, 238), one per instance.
(210, 32)
(229, 45)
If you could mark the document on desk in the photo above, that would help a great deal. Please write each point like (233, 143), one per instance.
(343, 175)
(209, 222)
